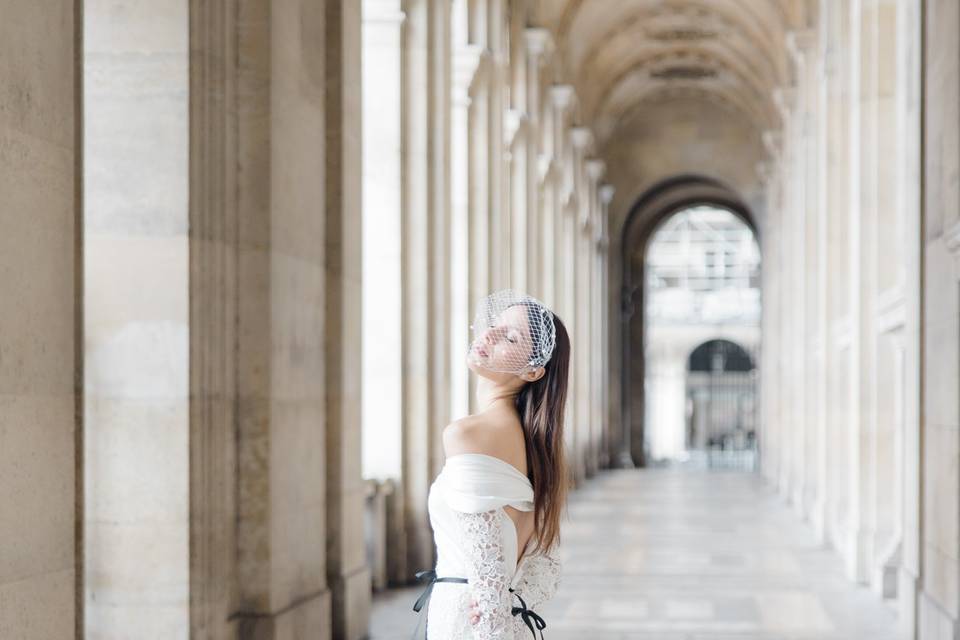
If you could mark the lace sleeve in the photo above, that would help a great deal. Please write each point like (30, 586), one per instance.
(481, 534)
(539, 580)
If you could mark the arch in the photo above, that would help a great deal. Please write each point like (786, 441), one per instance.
(651, 208)
(732, 356)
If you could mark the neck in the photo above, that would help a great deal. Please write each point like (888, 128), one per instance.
(491, 393)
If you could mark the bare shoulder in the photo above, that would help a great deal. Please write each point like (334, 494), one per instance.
(493, 435)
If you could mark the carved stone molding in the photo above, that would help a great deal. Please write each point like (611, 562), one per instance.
(538, 41)
(582, 138)
(469, 64)
(606, 194)
(596, 168)
(213, 310)
(514, 124)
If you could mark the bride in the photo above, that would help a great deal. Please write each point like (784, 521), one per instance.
(495, 507)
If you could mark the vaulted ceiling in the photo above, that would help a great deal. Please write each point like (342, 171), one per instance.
(627, 58)
(623, 53)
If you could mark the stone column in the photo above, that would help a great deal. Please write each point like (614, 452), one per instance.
(864, 192)
(939, 603)
(909, 73)
(266, 151)
(582, 140)
(536, 46)
(214, 307)
(888, 310)
(515, 144)
(595, 170)
(612, 443)
(426, 318)
(791, 346)
(480, 199)
(136, 321)
(348, 575)
(467, 62)
(494, 41)
(835, 163)
(769, 436)
(804, 47)
(40, 376)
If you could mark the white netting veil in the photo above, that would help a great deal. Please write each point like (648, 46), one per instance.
(512, 333)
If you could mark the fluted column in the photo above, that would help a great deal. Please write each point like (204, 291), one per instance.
(595, 170)
(612, 443)
(791, 348)
(468, 60)
(536, 47)
(863, 351)
(283, 421)
(804, 48)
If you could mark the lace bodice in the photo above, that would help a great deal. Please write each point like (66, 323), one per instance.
(476, 539)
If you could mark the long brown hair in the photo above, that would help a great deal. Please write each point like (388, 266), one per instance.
(541, 406)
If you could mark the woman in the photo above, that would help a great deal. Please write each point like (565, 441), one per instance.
(495, 506)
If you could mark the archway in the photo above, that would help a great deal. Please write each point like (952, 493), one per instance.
(721, 403)
(658, 350)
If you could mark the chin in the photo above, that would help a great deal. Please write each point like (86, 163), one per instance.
(479, 369)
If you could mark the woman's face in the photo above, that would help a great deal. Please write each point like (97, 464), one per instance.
(505, 346)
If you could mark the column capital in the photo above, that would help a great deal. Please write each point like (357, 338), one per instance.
(562, 95)
(538, 41)
(545, 166)
(514, 121)
(581, 137)
(784, 98)
(801, 42)
(772, 141)
(595, 168)
(606, 193)
(469, 63)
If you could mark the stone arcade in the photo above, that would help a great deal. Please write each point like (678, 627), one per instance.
(202, 202)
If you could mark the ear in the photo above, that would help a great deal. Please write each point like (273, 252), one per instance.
(534, 374)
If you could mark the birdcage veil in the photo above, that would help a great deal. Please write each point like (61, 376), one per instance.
(512, 333)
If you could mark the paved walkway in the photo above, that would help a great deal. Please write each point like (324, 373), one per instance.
(687, 555)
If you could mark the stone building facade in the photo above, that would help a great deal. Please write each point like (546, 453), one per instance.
(192, 194)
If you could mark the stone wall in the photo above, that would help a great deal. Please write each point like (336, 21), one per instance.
(939, 605)
(40, 316)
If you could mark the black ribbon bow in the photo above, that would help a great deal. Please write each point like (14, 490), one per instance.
(430, 577)
(529, 618)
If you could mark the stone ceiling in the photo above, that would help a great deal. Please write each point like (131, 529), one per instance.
(636, 62)
(621, 54)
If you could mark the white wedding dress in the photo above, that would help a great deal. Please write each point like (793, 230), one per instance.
(477, 540)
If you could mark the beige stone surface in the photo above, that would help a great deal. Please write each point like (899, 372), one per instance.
(39, 262)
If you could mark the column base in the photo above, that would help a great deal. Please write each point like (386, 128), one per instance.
(306, 618)
(935, 623)
(351, 605)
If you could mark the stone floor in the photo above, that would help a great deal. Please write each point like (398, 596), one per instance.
(687, 555)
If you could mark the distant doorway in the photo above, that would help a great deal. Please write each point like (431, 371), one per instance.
(701, 337)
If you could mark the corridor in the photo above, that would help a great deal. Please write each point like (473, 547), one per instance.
(688, 555)
(246, 244)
